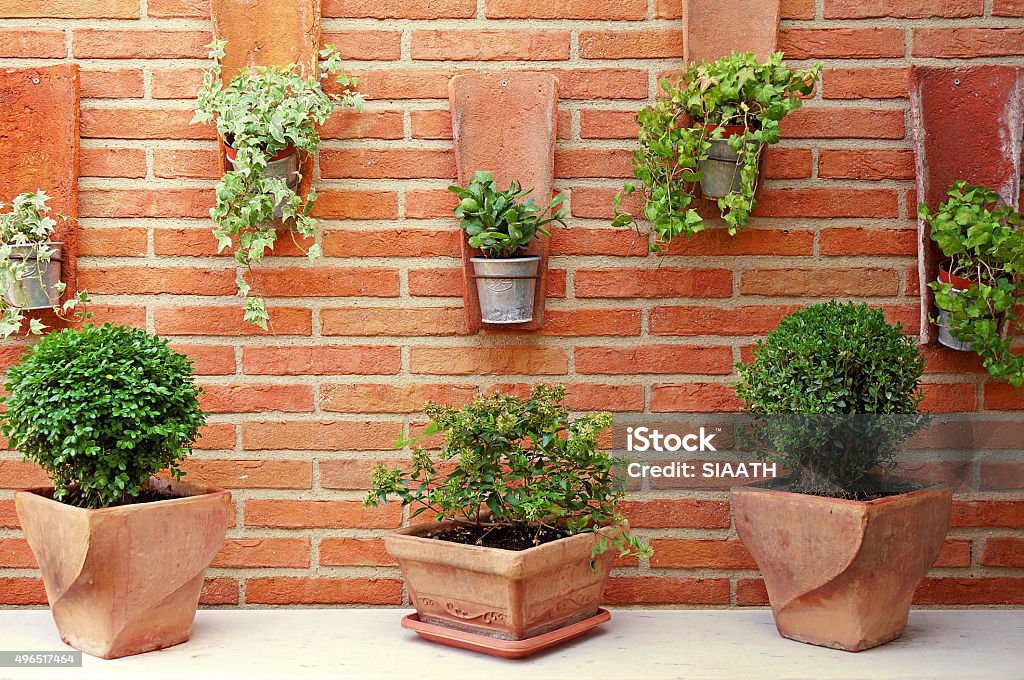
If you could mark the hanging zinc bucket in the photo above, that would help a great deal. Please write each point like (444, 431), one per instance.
(285, 165)
(506, 288)
(945, 337)
(720, 171)
(37, 285)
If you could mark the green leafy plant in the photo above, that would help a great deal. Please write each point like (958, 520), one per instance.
(100, 409)
(29, 223)
(517, 463)
(676, 132)
(261, 113)
(985, 245)
(500, 223)
(834, 392)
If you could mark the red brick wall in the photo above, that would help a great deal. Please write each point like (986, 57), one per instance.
(375, 328)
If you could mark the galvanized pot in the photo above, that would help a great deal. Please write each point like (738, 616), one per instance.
(720, 171)
(286, 167)
(506, 288)
(36, 288)
(945, 337)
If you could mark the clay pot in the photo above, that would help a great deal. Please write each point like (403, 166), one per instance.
(503, 594)
(841, 573)
(125, 580)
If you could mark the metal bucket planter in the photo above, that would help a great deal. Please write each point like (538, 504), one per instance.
(284, 165)
(720, 171)
(36, 287)
(506, 288)
(946, 338)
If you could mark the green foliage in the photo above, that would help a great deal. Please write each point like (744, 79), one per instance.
(675, 136)
(522, 460)
(260, 113)
(985, 245)
(101, 409)
(834, 390)
(499, 222)
(29, 223)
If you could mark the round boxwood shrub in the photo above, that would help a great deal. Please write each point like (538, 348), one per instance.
(101, 409)
(834, 392)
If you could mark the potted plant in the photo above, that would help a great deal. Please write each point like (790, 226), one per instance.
(122, 552)
(711, 128)
(501, 224)
(524, 504)
(979, 289)
(30, 265)
(840, 540)
(267, 118)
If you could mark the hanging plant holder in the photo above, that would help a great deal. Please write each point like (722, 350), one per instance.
(38, 285)
(506, 288)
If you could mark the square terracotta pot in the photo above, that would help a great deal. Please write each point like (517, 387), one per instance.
(125, 580)
(841, 573)
(503, 594)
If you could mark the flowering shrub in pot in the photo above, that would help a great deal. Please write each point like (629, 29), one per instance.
(267, 117)
(501, 224)
(842, 543)
(30, 265)
(122, 552)
(710, 128)
(524, 504)
(979, 290)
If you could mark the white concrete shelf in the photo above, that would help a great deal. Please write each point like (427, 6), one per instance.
(368, 644)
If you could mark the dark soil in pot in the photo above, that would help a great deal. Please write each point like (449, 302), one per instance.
(503, 537)
(868, 488)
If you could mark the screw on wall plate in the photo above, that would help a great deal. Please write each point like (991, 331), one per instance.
(504, 83)
(35, 81)
(956, 81)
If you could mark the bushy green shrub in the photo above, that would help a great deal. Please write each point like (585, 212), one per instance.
(523, 460)
(834, 389)
(101, 409)
(500, 223)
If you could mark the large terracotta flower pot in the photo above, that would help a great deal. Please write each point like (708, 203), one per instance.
(125, 580)
(841, 573)
(503, 594)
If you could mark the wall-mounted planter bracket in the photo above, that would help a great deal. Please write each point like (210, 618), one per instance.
(712, 29)
(506, 123)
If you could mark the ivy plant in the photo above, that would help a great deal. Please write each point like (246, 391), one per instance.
(512, 462)
(262, 112)
(500, 223)
(100, 409)
(834, 393)
(29, 222)
(676, 132)
(984, 244)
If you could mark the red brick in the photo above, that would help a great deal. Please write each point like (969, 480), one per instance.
(294, 514)
(149, 280)
(356, 205)
(608, 242)
(949, 397)
(351, 474)
(22, 590)
(257, 398)
(176, 83)
(354, 552)
(653, 283)
(869, 164)
(490, 360)
(834, 123)
(676, 513)
(324, 281)
(142, 124)
(599, 321)
(71, 9)
(675, 359)
(400, 9)
(95, 43)
(322, 360)
(618, 44)
(789, 9)
(841, 43)
(674, 553)
(837, 281)
(253, 553)
(694, 398)
(1008, 8)
(39, 44)
(573, 163)
(601, 124)
(174, 9)
(387, 163)
(1002, 396)
(1002, 476)
(751, 592)
(954, 43)
(186, 164)
(21, 474)
(108, 162)
(320, 435)
(663, 590)
(698, 320)
(999, 514)
(629, 10)
(112, 241)
(602, 84)
(783, 163)
(296, 590)
(229, 321)
(489, 45)
(854, 241)
(1003, 551)
(8, 516)
(14, 552)
(381, 398)
(979, 590)
(391, 321)
(209, 359)
(393, 243)
(145, 202)
(219, 591)
(116, 84)
(902, 9)
(832, 202)
(365, 45)
(348, 124)
(250, 474)
(954, 553)
(746, 242)
(864, 83)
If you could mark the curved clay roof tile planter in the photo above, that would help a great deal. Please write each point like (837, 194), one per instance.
(498, 595)
(841, 573)
(125, 580)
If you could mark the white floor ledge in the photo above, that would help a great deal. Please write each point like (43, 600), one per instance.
(367, 644)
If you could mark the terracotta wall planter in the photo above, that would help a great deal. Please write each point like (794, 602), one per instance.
(125, 580)
(504, 594)
(841, 573)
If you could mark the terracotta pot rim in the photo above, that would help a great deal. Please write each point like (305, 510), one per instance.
(895, 498)
(730, 130)
(231, 153)
(44, 493)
